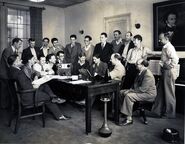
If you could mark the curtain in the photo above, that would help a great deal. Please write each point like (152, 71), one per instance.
(36, 25)
(3, 28)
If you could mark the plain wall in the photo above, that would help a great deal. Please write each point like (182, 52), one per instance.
(90, 15)
(53, 20)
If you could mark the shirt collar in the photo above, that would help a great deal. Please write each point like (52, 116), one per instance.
(167, 45)
(13, 48)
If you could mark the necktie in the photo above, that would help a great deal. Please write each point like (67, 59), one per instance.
(102, 45)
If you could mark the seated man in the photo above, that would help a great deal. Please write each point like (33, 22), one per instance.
(42, 67)
(81, 66)
(99, 67)
(24, 81)
(119, 70)
(144, 89)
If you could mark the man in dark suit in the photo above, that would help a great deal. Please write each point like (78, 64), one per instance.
(31, 50)
(104, 49)
(143, 89)
(72, 50)
(128, 44)
(24, 82)
(4, 71)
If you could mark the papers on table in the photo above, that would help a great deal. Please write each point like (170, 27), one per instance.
(80, 82)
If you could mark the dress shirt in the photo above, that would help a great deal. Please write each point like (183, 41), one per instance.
(118, 72)
(136, 53)
(169, 56)
(45, 50)
(125, 51)
(33, 52)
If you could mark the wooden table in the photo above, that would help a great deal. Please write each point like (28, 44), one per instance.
(88, 91)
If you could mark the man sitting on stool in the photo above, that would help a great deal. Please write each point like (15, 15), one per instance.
(144, 89)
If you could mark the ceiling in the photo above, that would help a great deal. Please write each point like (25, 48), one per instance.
(57, 3)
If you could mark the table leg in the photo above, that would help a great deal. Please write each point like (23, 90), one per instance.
(88, 113)
(116, 106)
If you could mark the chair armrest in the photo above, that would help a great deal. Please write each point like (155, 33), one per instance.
(27, 91)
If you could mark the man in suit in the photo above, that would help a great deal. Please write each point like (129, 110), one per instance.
(118, 42)
(144, 89)
(128, 44)
(98, 68)
(165, 103)
(23, 78)
(44, 50)
(104, 49)
(4, 71)
(31, 50)
(56, 47)
(72, 50)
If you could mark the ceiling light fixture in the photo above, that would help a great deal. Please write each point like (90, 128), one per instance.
(37, 1)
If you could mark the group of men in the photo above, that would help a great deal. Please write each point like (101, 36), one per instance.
(123, 57)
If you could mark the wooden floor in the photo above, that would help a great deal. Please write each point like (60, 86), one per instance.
(73, 130)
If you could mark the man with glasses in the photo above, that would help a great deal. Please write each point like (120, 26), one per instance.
(88, 49)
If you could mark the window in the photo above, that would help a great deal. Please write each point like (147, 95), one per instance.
(18, 23)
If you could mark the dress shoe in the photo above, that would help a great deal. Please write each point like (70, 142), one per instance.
(64, 117)
(58, 100)
(126, 122)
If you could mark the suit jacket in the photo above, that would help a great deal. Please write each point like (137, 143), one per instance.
(131, 45)
(105, 53)
(145, 83)
(27, 52)
(100, 70)
(54, 51)
(4, 67)
(71, 53)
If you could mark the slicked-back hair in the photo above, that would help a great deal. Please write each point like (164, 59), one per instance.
(16, 40)
(73, 36)
(53, 39)
(31, 39)
(48, 57)
(89, 37)
(45, 39)
(103, 33)
(11, 59)
(117, 56)
(60, 52)
(139, 37)
(118, 31)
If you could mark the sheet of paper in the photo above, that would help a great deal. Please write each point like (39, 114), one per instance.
(80, 82)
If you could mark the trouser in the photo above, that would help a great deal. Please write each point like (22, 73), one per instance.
(129, 98)
(5, 93)
(165, 102)
(131, 73)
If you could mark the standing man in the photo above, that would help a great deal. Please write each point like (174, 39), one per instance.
(104, 49)
(128, 44)
(56, 47)
(31, 50)
(165, 103)
(4, 71)
(88, 49)
(117, 43)
(72, 50)
(138, 52)
(44, 50)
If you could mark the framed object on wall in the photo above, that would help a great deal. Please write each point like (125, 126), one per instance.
(118, 22)
(169, 16)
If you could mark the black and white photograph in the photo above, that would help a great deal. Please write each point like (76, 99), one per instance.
(92, 71)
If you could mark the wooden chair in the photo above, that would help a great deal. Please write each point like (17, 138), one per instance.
(18, 109)
(142, 106)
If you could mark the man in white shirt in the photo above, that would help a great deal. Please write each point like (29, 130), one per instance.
(119, 70)
(44, 50)
(165, 103)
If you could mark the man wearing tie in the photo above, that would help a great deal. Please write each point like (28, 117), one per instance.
(104, 49)
(31, 50)
(4, 71)
(72, 50)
